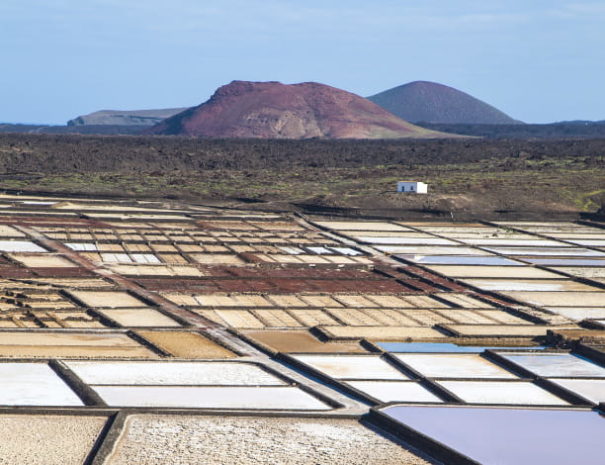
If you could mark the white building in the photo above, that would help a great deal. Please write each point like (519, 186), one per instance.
(413, 187)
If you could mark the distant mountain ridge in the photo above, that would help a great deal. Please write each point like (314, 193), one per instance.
(562, 130)
(581, 122)
(272, 110)
(124, 117)
(90, 129)
(430, 102)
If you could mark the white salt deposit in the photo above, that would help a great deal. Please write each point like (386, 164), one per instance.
(248, 397)
(20, 246)
(173, 373)
(34, 384)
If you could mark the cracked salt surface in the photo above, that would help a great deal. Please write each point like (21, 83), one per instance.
(47, 439)
(193, 440)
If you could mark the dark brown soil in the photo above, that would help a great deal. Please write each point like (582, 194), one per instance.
(485, 179)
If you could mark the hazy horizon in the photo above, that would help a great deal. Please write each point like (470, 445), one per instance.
(538, 63)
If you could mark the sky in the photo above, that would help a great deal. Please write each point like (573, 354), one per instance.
(539, 60)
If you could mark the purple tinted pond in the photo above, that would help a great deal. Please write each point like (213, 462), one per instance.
(503, 436)
(443, 347)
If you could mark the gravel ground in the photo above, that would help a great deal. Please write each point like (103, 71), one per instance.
(48, 439)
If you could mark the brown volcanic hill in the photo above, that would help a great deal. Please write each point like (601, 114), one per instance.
(273, 110)
(430, 102)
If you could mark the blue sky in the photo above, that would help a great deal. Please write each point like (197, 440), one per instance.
(537, 60)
